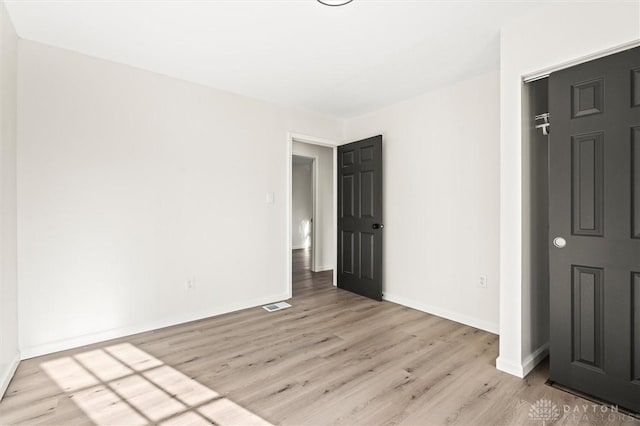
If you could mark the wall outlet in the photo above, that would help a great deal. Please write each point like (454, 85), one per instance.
(190, 284)
(482, 282)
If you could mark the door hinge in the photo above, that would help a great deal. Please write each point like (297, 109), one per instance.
(544, 118)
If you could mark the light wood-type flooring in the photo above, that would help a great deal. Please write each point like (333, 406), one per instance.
(333, 358)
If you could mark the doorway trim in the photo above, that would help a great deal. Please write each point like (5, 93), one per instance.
(291, 136)
(546, 72)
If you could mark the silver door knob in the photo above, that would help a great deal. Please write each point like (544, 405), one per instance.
(559, 242)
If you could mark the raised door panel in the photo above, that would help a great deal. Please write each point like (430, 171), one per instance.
(347, 260)
(347, 186)
(635, 87)
(367, 252)
(367, 154)
(587, 316)
(587, 98)
(347, 158)
(635, 315)
(588, 184)
(635, 182)
(367, 194)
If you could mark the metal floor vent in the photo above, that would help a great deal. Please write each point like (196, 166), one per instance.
(276, 306)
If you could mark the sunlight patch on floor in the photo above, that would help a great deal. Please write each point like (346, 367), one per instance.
(103, 365)
(122, 384)
(155, 403)
(69, 374)
(104, 407)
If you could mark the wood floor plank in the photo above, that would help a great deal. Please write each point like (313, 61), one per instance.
(332, 358)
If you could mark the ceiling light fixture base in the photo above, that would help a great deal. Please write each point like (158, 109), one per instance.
(334, 2)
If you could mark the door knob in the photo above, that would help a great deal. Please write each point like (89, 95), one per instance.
(559, 242)
(377, 226)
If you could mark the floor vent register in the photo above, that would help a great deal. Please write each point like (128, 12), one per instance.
(276, 306)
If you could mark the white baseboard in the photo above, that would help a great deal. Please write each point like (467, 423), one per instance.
(444, 313)
(101, 336)
(526, 366)
(510, 367)
(299, 247)
(6, 376)
(323, 268)
(530, 361)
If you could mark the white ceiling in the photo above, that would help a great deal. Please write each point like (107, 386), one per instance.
(341, 61)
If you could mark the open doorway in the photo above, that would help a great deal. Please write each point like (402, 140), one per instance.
(311, 214)
(302, 194)
(303, 171)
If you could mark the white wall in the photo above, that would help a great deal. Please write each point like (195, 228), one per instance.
(562, 32)
(130, 183)
(9, 355)
(302, 205)
(441, 199)
(325, 239)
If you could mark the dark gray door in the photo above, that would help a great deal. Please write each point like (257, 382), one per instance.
(360, 217)
(594, 206)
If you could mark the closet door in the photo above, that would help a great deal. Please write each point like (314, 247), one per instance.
(594, 225)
